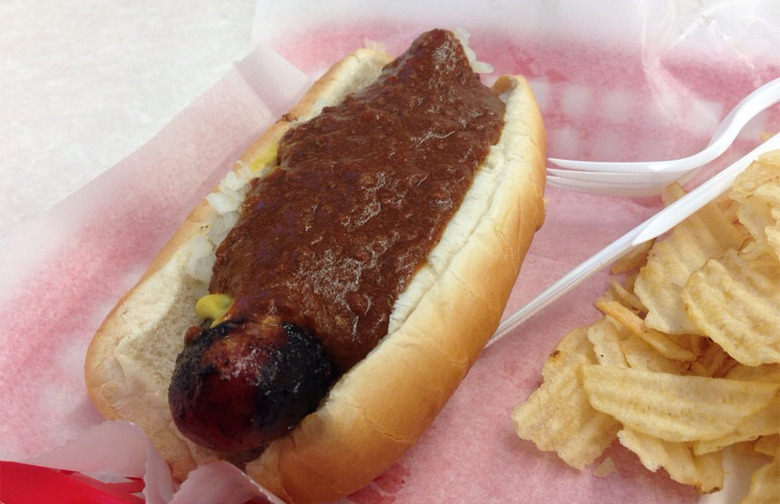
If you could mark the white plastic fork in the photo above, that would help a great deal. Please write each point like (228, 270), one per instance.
(655, 226)
(644, 178)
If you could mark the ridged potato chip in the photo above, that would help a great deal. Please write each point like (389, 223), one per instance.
(735, 301)
(605, 337)
(640, 355)
(765, 422)
(674, 408)
(769, 373)
(672, 193)
(573, 351)
(765, 484)
(708, 233)
(661, 342)
(757, 193)
(633, 259)
(704, 472)
(557, 416)
(764, 425)
(625, 295)
(712, 360)
(767, 445)
(686, 359)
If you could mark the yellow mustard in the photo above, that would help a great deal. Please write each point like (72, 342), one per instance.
(213, 306)
(267, 157)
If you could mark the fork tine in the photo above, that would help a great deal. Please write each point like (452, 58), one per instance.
(606, 189)
(617, 177)
(621, 166)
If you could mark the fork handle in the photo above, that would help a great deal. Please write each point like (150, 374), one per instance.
(607, 255)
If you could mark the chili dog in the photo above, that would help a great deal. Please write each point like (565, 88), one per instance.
(345, 275)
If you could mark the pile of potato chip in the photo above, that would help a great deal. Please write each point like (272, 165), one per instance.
(686, 359)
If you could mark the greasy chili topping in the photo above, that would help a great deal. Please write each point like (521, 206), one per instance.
(361, 195)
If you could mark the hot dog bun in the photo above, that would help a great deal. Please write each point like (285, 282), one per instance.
(438, 326)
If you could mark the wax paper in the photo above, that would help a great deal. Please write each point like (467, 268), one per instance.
(615, 81)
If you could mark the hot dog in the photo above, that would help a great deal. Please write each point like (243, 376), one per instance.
(361, 254)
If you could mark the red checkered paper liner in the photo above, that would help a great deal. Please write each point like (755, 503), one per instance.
(649, 90)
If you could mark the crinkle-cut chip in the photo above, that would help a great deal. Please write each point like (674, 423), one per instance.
(625, 296)
(743, 448)
(698, 344)
(640, 355)
(573, 351)
(707, 233)
(735, 301)
(756, 216)
(769, 373)
(773, 233)
(723, 370)
(661, 342)
(765, 169)
(672, 193)
(605, 336)
(713, 361)
(767, 445)
(704, 472)
(557, 416)
(674, 408)
(765, 484)
(728, 206)
(628, 282)
(765, 422)
(757, 193)
(633, 259)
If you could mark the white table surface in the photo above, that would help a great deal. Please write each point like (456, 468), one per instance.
(85, 83)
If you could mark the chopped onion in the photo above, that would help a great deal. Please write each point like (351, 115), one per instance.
(222, 226)
(201, 259)
(477, 66)
(223, 203)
